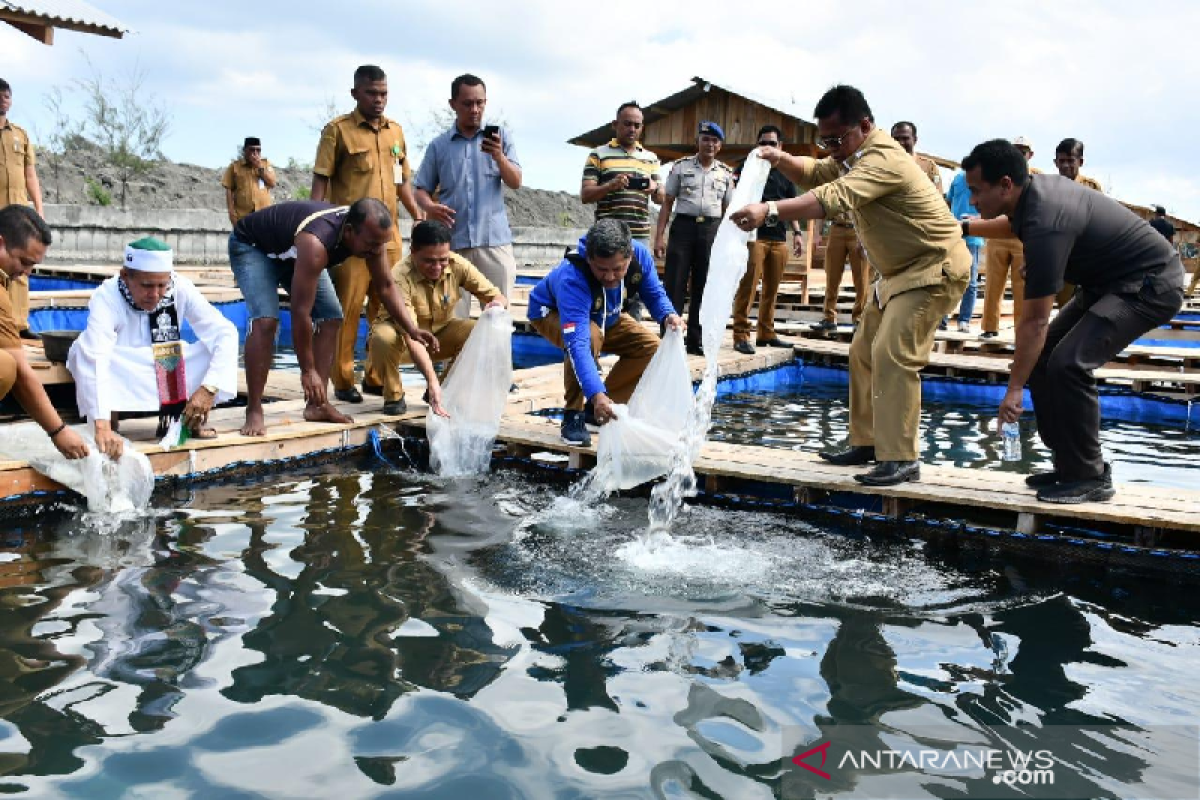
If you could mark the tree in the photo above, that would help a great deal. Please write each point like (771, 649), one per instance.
(126, 121)
(64, 134)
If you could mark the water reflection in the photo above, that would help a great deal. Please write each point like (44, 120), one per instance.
(362, 631)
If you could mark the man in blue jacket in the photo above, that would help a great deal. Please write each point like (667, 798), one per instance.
(578, 308)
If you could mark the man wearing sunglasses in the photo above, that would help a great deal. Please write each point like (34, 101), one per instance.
(768, 258)
(913, 242)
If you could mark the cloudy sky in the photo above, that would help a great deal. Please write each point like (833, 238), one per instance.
(1120, 76)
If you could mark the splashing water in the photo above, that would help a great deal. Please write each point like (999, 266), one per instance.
(727, 265)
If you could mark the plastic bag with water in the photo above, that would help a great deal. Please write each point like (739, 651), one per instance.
(474, 394)
(111, 487)
(636, 447)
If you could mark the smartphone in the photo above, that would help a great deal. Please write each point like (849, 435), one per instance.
(490, 130)
(639, 182)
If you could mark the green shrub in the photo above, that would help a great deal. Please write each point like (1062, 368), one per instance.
(97, 193)
(301, 193)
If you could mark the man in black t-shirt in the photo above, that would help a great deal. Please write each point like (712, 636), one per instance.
(1163, 225)
(1129, 281)
(768, 258)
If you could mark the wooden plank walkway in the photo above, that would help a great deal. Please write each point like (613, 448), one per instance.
(1139, 377)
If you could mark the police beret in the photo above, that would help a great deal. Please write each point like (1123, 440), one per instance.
(710, 128)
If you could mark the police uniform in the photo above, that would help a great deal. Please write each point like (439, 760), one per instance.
(701, 196)
(914, 243)
(10, 338)
(841, 242)
(250, 192)
(16, 154)
(431, 304)
(360, 160)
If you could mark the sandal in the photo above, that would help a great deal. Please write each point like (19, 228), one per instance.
(204, 433)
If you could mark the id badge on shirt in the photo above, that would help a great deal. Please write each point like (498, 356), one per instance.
(262, 184)
(398, 173)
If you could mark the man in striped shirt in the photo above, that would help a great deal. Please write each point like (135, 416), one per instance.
(621, 176)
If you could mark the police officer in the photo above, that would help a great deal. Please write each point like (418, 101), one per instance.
(698, 190)
(362, 154)
(18, 184)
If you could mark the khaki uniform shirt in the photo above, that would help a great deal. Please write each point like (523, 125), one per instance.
(930, 168)
(16, 153)
(902, 220)
(700, 192)
(432, 302)
(1091, 183)
(10, 334)
(362, 161)
(248, 194)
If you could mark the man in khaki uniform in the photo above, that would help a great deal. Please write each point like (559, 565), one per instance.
(698, 190)
(362, 154)
(24, 238)
(18, 184)
(913, 242)
(840, 243)
(248, 181)
(905, 134)
(433, 279)
(1004, 258)
(1068, 158)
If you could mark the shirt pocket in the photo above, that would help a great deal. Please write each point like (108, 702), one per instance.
(360, 160)
(689, 186)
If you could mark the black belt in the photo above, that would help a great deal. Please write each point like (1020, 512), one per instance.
(699, 220)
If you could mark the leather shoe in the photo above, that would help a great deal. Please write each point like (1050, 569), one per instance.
(776, 342)
(350, 395)
(695, 350)
(394, 408)
(372, 388)
(823, 325)
(890, 473)
(744, 347)
(852, 456)
(988, 335)
(26, 333)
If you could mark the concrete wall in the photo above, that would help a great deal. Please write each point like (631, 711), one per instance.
(98, 235)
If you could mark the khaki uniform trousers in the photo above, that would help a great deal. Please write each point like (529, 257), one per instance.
(352, 280)
(1195, 282)
(1005, 258)
(18, 293)
(840, 243)
(768, 260)
(387, 349)
(628, 339)
(8, 373)
(887, 353)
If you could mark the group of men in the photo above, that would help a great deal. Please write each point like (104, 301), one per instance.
(343, 246)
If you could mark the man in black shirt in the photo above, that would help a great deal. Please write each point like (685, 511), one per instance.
(768, 258)
(1163, 225)
(1129, 281)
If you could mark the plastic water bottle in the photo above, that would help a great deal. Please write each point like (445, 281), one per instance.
(1010, 432)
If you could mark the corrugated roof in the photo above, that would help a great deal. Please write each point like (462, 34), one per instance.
(65, 14)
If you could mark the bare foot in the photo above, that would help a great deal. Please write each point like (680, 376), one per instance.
(255, 426)
(325, 413)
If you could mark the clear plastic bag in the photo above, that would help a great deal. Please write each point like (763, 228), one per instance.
(474, 394)
(636, 447)
(110, 486)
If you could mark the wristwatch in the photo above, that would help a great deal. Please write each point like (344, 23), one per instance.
(772, 214)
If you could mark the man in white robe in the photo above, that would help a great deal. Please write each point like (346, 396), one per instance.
(127, 359)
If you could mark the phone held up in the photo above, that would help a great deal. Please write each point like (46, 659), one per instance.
(490, 131)
(639, 183)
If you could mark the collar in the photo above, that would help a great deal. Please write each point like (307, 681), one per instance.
(359, 119)
(454, 131)
(167, 300)
(869, 142)
(637, 146)
(4, 279)
(7, 124)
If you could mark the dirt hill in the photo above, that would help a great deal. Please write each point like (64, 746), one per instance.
(80, 177)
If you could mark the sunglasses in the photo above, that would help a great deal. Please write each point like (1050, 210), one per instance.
(768, 143)
(834, 142)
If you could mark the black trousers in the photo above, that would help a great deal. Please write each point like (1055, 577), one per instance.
(1087, 333)
(688, 249)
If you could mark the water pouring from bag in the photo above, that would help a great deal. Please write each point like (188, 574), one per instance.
(727, 265)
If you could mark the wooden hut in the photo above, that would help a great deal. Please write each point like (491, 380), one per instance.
(39, 18)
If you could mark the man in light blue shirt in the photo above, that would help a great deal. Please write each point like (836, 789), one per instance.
(467, 168)
(959, 198)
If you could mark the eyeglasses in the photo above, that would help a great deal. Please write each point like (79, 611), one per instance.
(768, 143)
(834, 142)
